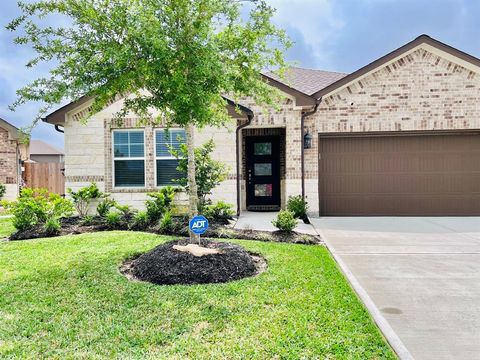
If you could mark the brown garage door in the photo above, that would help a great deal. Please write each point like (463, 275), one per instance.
(400, 175)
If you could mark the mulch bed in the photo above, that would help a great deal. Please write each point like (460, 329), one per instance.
(165, 265)
(220, 229)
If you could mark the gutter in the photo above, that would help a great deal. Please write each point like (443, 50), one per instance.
(57, 127)
(302, 128)
(239, 166)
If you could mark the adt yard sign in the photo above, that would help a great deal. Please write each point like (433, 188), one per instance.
(199, 224)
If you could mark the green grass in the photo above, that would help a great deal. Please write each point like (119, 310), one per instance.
(64, 298)
(6, 227)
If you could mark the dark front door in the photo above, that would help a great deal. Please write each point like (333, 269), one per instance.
(263, 172)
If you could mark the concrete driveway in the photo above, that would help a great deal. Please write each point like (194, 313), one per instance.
(421, 274)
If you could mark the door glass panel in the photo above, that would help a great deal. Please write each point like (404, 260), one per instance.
(263, 189)
(262, 148)
(263, 169)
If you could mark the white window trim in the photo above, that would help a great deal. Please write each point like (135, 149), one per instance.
(114, 186)
(161, 157)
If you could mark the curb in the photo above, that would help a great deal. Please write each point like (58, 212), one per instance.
(387, 331)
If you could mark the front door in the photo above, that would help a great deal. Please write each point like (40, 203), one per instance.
(263, 173)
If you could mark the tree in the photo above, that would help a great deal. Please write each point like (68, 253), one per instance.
(209, 173)
(172, 60)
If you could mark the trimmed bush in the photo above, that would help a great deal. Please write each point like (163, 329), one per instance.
(285, 221)
(84, 197)
(160, 202)
(113, 219)
(52, 227)
(104, 206)
(220, 211)
(36, 206)
(298, 206)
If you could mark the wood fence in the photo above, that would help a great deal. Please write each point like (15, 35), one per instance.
(45, 175)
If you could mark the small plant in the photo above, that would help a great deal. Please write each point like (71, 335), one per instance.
(285, 221)
(160, 202)
(3, 190)
(166, 222)
(126, 211)
(36, 206)
(52, 227)
(220, 211)
(84, 197)
(298, 206)
(113, 219)
(104, 206)
(87, 220)
(139, 221)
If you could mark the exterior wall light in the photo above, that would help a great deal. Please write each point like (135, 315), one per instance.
(307, 140)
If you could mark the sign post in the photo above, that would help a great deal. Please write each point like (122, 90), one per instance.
(198, 225)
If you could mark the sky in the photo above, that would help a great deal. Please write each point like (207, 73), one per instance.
(335, 35)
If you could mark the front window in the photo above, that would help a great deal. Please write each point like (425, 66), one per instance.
(165, 162)
(128, 158)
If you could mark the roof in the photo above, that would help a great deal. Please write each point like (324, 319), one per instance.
(12, 130)
(422, 39)
(307, 81)
(39, 147)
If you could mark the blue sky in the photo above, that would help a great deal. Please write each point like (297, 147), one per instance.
(337, 35)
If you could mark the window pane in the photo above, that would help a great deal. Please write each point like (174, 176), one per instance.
(262, 148)
(161, 141)
(120, 150)
(136, 150)
(129, 173)
(263, 189)
(167, 171)
(136, 137)
(177, 137)
(263, 169)
(120, 137)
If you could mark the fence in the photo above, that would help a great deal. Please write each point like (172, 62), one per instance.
(45, 175)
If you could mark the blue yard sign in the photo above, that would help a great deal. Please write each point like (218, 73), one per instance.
(199, 224)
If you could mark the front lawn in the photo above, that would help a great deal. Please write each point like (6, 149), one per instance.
(6, 227)
(64, 298)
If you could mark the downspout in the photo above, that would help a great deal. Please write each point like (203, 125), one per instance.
(239, 166)
(302, 127)
(57, 127)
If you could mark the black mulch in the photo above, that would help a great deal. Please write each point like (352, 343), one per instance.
(166, 266)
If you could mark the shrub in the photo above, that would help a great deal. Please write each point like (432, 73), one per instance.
(113, 219)
(52, 226)
(3, 190)
(298, 206)
(36, 206)
(104, 206)
(84, 197)
(140, 221)
(87, 220)
(126, 211)
(166, 223)
(285, 221)
(220, 211)
(209, 173)
(160, 202)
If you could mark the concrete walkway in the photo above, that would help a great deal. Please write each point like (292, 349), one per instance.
(263, 221)
(420, 276)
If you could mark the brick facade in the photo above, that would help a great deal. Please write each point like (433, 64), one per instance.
(9, 165)
(419, 91)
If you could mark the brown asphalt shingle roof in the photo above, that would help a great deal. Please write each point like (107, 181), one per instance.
(307, 81)
(39, 147)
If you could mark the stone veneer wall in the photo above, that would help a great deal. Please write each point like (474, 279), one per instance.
(8, 165)
(422, 90)
(88, 156)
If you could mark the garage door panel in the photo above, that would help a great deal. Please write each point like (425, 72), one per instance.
(400, 175)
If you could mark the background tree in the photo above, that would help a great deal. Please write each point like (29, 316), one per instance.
(172, 60)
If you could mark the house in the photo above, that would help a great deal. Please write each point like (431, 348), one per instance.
(42, 152)
(400, 136)
(12, 153)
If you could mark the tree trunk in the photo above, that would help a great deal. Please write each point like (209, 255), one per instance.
(191, 180)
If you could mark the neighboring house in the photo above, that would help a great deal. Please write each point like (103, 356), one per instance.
(12, 152)
(41, 152)
(400, 136)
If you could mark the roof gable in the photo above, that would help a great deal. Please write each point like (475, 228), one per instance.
(461, 57)
(12, 130)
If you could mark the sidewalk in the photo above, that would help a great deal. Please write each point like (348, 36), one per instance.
(262, 221)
